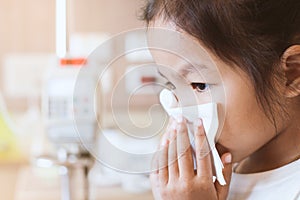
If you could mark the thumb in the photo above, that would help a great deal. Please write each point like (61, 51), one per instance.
(222, 190)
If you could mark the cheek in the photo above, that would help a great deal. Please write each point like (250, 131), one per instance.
(246, 128)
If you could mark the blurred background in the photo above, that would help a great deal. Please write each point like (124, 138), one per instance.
(32, 163)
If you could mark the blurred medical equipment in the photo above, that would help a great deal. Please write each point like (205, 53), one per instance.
(61, 105)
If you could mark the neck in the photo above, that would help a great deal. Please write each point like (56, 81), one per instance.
(281, 150)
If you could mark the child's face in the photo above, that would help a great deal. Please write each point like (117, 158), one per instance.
(246, 127)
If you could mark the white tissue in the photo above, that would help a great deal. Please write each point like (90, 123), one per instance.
(209, 115)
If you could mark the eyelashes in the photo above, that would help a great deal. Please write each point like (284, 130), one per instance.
(200, 87)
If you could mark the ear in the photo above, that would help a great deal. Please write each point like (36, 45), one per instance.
(291, 67)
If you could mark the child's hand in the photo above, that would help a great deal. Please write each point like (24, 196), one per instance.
(176, 178)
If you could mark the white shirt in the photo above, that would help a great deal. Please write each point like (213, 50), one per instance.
(279, 184)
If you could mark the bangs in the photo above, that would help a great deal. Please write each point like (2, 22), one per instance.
(250, 35)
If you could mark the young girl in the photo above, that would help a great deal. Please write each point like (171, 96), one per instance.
(256, 47)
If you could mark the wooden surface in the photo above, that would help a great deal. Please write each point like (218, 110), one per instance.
(8, 178)
(28, 183)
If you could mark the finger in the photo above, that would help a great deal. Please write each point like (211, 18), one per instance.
(171, 125)
(172, 157)
(163, 164)
(185, 157)
(202, 151)
(227, 172)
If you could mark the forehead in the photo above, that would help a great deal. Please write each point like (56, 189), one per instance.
(170, 46)
(169, 63)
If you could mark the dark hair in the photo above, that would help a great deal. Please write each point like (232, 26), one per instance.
(252, 34)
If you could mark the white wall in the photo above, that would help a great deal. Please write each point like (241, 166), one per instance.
(28, 26)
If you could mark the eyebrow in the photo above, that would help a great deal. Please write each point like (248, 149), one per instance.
(187, 69)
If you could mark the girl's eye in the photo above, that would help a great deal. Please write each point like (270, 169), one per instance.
(170, 85)
(200, 87)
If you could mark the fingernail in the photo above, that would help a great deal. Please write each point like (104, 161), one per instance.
(163, 143)
(173, 125)
(198, 122)
(179, 119)
(228, 158)
(172, 135)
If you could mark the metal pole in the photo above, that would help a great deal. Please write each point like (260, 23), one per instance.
(61, 28)
(65, 183)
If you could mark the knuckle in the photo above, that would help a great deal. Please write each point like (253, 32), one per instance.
(204, 184)
(203, 152)
(183, 157)
(162, 185)
(186, 186)
(165, 192)
(170, 190)
(184, 149)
